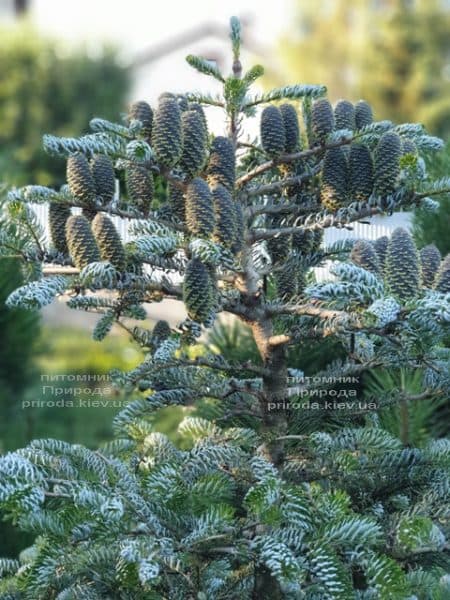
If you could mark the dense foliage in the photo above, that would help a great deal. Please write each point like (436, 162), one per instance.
(281, 485)
(433, 227)
(394, 53)
(45, 86)
(19, 331)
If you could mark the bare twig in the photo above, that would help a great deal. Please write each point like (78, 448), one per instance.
(278, 340)
(277, 186)
(251, 147)
(282, 208)
(57, 495)
(287, 158)
(305, 309)
(47, 271)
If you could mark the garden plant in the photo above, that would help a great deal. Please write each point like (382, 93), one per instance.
(279, 485)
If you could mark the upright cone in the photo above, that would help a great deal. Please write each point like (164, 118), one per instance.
(322, 120)
(387, 163)
(291, 127)
(443, 276)
(161, 331)
(141, 111)
(221, 165)
(402, 265)
(363, 254)
(108, 241)
(273, 137)
(79, 177)
(104, 178)
(175, 198)
(82, 246)
(344, 115)
(430, 259)
(140, 186)
(363, 114)
(199, 110)
(167, 133)
(57, 218)
(238, 241)
(286, 280)
(380, 245)
(199, 208)
(197, 291)
(333, 193)
(360, 172)
(225, 216)
(194, 143)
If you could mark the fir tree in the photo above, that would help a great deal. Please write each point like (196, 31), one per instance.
(276, 491)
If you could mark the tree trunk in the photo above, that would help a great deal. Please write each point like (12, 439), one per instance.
(266, 586)
(274, 389)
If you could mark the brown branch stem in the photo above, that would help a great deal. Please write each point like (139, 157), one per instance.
(287, 158)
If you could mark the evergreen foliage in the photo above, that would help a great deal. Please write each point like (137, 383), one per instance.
(273, 488)
(432, 226)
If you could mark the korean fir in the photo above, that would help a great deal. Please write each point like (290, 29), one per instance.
(283, 486)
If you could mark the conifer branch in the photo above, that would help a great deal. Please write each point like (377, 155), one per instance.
(258, 498)
(305, 309)
(282, 208)
(277, 186)
(287, 158)
(325, 220)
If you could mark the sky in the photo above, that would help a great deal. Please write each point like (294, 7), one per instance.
(139, 23)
